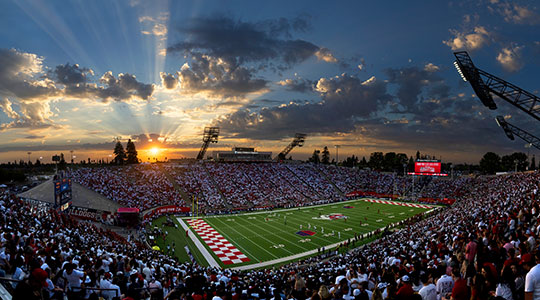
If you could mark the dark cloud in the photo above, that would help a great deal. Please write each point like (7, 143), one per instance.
(123, 88)
(239, 42)
(218, 78)
(411, 82)
(34, 137)
(19, 76)
(345, 99)
(297, 85)
(22, 77)
(71, 74)
(169, 81)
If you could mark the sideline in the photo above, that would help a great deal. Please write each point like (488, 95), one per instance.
(209, 258)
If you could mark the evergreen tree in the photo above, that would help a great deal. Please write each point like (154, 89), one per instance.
(315, 157)
(62, 163)
(533, 164)
(120, 154)
(363, 162)
(490, 163)
(417, 154)
(325, 156)
(376, 160)
(131, 153)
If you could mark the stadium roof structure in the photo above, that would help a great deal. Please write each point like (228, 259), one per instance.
(511, 130)
(82, 197)
(484, 84)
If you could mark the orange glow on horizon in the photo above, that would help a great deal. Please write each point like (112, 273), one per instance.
(154, 151)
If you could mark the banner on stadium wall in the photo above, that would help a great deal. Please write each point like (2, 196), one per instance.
(370, 194)
(168, 209)
(88, 213)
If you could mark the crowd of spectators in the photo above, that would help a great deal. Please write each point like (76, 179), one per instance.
(142, 186)
(353, 179)
(446, 187)
(484, 246)
(221, 187)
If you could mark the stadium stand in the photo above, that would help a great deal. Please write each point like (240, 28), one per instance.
(485, 245)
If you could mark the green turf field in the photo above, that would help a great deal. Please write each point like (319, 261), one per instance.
(270, 235)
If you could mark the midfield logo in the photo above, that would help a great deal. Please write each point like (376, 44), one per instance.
(331, 217)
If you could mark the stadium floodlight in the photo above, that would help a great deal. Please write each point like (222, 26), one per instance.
(298, 141)
(484, 84)
(504, 125)
(511, 130)
(470, 73)
(210, 135)
(456, 64)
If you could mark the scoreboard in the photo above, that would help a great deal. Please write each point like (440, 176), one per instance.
(62, 193)
(427, 168)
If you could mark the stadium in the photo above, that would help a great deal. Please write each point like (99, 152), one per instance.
(198, 195)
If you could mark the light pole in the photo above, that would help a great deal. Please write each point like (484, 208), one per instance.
(404, 170)
(528, 146)
(337, 153)
(452, 171)
(28, 156)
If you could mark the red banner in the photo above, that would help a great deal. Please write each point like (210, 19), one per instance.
(427, 167)
(168, 209)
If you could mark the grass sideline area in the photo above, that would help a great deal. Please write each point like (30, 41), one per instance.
(269, 235)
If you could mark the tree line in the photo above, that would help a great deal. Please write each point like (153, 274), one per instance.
(401, 162)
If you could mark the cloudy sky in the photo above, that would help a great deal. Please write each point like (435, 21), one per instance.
(377, 76)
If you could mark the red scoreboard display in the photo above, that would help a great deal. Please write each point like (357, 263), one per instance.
(427, 168)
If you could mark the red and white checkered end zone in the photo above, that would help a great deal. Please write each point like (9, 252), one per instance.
(399, 203)
(220, 246)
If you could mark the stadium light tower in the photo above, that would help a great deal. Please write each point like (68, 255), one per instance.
(210, 135)
(485, 84)
(298, 141)
(511, 130)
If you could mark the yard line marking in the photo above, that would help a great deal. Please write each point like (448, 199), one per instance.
(275, 226)
(221, 247)
(244, 237)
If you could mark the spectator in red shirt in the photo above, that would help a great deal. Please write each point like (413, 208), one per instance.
(405, 290)
(461, 290)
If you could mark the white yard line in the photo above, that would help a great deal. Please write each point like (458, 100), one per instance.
(287, 258)
(307, 253)
(209, 258)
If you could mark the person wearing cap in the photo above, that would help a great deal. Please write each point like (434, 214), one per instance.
(532, 279)
(32, 287)
(405, 290)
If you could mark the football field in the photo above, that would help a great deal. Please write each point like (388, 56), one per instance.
(266, 238)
